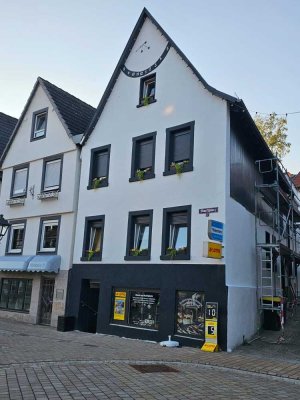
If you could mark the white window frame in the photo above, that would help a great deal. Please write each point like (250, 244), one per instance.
(15, 227)
(23, 192)
(51, 222)
(54, 187)
(41, 132)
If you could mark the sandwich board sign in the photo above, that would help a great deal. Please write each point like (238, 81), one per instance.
(211, 327)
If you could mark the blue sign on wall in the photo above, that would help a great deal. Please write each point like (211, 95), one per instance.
(215, 230)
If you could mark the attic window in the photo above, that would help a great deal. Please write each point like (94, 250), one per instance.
(147, 90)
(39, 124)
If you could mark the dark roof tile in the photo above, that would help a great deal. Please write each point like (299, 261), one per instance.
(7, 125)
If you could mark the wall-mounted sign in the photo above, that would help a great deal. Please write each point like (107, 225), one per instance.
(215, 230)
(212, 250)
(211, 327)
(119, 306)
(208, 211)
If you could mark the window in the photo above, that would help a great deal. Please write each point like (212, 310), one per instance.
(139, 308)
(39, 124)
(99, 167)
(52, 173)
(16, 294)
(147, 90)
(19, 182)
(143, 157)
(93, 238)
(139, 235)
(15, 240)
(176, 235)
(48, 238)
(190, 314)
(179, 149)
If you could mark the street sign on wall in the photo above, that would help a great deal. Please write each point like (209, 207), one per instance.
(215, 230)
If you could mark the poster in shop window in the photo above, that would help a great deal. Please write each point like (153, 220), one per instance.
(119, 306)
(144, 309)
(190, 313)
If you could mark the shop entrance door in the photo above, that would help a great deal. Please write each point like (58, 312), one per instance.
(88, 308)
(46, 301)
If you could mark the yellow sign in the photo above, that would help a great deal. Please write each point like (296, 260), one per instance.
(212, 250)
(211, 331)
(210, 347)
(119, 306)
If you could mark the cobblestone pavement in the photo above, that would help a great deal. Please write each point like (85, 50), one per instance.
(38, 362)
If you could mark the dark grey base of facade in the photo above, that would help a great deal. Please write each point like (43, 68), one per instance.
(85, 304)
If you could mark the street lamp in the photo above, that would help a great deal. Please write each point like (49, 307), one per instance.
(4, 225)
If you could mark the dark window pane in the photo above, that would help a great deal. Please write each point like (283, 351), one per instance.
(17, 239)
(16, 294)
(180, 150)
(13, 295)
(4, 293)
(50, 236)
(144, 154)
(27, 297)
(144, 309)
(100, 165)
(190, 314)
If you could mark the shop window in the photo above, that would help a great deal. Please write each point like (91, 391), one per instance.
(147, 90)
(39, 124)
(19, 181)
(190, 314)
(143, 157)
(99, 167)
(179, 149)
(52, 172)
(15, 239)
(93, 238)
(138, 308)
(139, 235)
(15, 294)
(48, 237)
(176, 233)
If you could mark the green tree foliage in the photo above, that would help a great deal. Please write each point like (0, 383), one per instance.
(274, 131)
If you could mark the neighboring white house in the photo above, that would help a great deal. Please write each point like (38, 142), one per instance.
(41, 170)
(162, 147)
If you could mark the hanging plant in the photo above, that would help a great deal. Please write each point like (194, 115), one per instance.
(179, 166)
(140, 173)
(98, 181)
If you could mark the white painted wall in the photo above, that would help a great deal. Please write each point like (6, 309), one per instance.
(180, 98)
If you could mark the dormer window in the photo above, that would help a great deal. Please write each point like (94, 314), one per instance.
(147, 90)
(39, 124)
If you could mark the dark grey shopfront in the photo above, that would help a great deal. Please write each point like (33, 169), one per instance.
(147, 301)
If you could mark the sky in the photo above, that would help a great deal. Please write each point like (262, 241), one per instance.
(246, 48)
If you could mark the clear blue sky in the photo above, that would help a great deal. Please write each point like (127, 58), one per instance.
(249, 48)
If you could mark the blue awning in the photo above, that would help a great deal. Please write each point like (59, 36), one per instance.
(14, 263)
(44, 264)
(30, 263)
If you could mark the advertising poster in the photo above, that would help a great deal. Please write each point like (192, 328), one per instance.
(190, 314)
(144, 309)
(119, 306)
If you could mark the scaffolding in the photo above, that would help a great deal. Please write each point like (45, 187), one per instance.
(277, 227)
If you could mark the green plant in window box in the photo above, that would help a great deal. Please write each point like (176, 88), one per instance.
(98, 181)
(91, 253)
(171, 252)
(146, 100)
(179, 166)
(136, 252)
(140, 173)
(181, 250)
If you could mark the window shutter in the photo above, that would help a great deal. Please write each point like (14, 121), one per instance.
(178, 218)
(143, 220)
(100, 164)
(52, 174)
(20, 181)
(145, 150)
(181, 146)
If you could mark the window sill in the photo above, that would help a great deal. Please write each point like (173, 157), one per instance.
(150, 102)
(46, 195)
(177, 257)
(33, 139)
(137, 258)
(41, 252)
(16, 201)
(15, 311)
(19, 253)
(91, 187)
(150, 175)
(96, 259)
(173, 171)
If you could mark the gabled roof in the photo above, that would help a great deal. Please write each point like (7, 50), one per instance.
(133, 37)
(296, 180)
(7, 125)
(74, 114)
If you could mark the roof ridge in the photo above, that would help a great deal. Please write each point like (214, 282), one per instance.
(69, 94)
